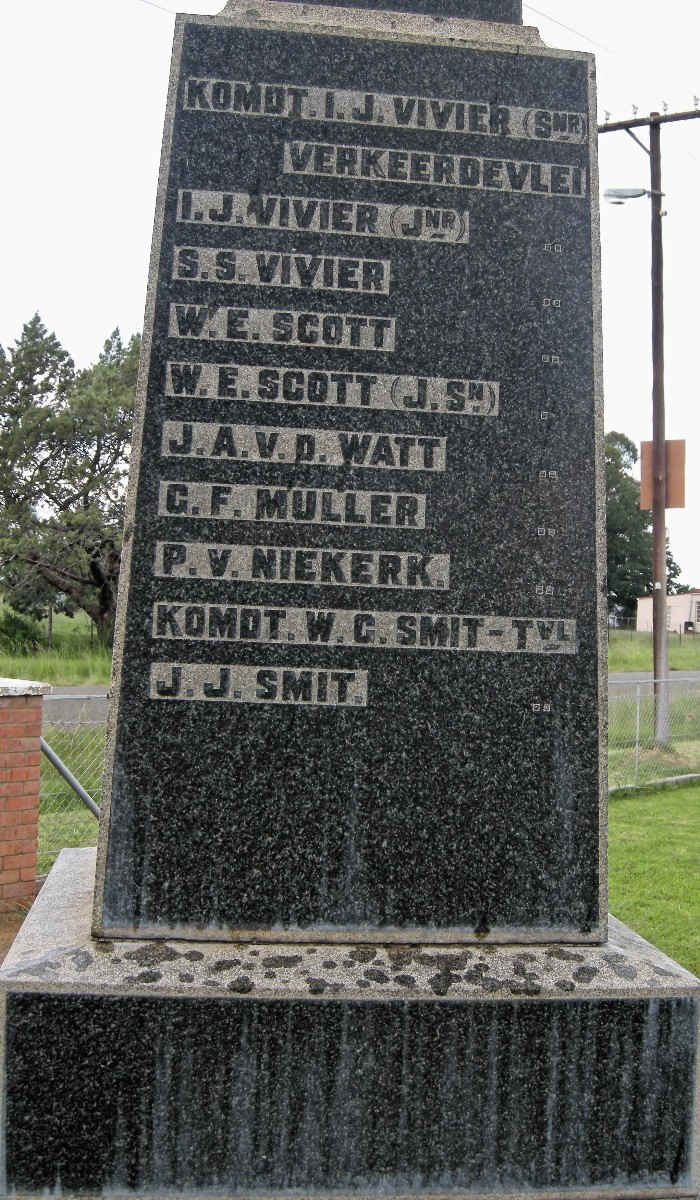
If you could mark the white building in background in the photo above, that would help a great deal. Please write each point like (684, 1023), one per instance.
(680, 610)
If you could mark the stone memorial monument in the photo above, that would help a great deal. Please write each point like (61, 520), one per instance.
(349, 933)
(361, 604)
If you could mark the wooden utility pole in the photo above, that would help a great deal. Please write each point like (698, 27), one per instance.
(658, 406)
(658, 511)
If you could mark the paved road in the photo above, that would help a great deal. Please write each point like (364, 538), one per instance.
(626, 683)
(645, 676)
(87, 704)
(83, 689)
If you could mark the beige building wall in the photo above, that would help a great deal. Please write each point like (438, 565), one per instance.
(679, 609)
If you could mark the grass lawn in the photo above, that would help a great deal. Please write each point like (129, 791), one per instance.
(629, 651)
(67, 667)
(73, 826)
(654, 864)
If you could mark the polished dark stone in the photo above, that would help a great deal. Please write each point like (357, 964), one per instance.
(482, 10)
(465, 795)
(366, 1098)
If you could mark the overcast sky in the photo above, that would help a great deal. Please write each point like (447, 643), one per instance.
(82, 92)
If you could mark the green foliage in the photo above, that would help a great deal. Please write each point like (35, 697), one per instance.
(18, 634)
(629, 532)
(64, 437)
(673, 586)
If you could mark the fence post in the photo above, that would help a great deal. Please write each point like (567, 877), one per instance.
(636, 736)
(20, 757)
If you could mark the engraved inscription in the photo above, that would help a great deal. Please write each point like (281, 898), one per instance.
(302, 564)
(257, 99)
(220, 386)
(265, 268)
(318, 506)
(334, 331)
(444, 170)
(312, 214)
(237, 684)
(292, 385)
(378, 630)
(329, 447)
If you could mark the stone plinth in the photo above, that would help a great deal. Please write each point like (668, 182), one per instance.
(144, 1068)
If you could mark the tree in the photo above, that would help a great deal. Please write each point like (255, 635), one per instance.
(64, 440)
(629, 532)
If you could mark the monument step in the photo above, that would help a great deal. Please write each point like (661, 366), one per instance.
(139, 1068)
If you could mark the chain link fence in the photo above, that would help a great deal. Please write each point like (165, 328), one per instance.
(74, 728)
(634, 758)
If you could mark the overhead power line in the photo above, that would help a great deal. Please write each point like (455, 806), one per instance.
(653, 119)
(161, 7)
(569, 29)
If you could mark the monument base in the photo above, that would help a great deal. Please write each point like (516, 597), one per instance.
(142, 1068)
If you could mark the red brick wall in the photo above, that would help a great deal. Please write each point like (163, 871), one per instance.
(20, 757)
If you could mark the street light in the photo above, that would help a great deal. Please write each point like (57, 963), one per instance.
(658, 508)
(619, 195)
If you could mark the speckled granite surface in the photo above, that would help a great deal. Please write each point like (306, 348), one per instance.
(481, 10)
